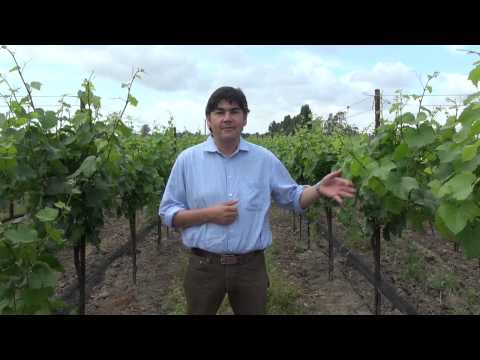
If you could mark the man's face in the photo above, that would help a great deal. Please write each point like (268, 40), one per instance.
(227, 121)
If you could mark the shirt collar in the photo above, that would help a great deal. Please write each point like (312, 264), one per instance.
(210, 145)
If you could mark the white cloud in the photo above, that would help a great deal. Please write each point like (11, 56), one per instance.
(62, 55)
(449, 83)
(387, 76)
(278, 88)
(455, 49)
(187, 113)
(167, 67)
(276, 80)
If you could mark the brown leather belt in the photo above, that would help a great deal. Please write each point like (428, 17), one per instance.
(226, 259)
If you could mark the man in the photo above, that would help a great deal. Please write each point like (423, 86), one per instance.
(219, 195)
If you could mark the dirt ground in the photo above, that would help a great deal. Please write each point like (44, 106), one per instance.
(160, 271)
(426, 270)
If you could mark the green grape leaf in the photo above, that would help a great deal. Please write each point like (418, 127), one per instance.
(22, 234)
(454, 221)
(456, 217)
(47, 214)
(469, 152)
(401, 188)
(383, 171)
(463, 134)
(356, 168)
(475, 130)
(57, 186)
(60, 205)
(25, 172)
(100, 144)
(468, 166)
(376, 185)
(448, 152)
(474, 75)
(132, 100)
(88, 167)
(469, 239)
(123, 129)
(469, 115)
(442, 228)
(435, 186)
(49, 120)
(35, 85)
(421, 117)
(408, 184)
(36, 300)
(407, 118)
(21, 121)
(401, 152)
(42, 276)
(54, 233)
(95, 101)
(394, 205)
(459, 187)
(421, 137)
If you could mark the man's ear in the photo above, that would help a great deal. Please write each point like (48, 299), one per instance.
(208, 124)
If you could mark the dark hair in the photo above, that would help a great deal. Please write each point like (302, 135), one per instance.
(229, 94)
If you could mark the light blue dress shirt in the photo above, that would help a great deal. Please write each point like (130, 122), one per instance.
(202, 176)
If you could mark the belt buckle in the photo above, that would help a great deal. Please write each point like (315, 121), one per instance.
(227, 259)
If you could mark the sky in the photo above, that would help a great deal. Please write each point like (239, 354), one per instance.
(277, 80)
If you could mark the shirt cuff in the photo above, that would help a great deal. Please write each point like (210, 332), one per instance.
(168, 215)
(296, 204)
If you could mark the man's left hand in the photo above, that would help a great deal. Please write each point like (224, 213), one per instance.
(335, 187)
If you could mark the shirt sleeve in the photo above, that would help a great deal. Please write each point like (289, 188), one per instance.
(285, 191)
(174, 197)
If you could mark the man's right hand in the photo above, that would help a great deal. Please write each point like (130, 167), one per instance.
(224, 213)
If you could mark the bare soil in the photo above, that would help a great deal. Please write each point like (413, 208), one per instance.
(160, 271)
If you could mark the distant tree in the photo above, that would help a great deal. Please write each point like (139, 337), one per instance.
(274, 127)
(289, 125)
(338, 123)
(317, 122)
(145, 130)
(304, 119)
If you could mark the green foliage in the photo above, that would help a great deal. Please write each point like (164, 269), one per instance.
(445, 281)
(414, 169)
(474, 75)
(35, 85)
(66, 172)
(28, 271)
(290, 125)
(308, 155)
(282, 293)
(414, 269)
